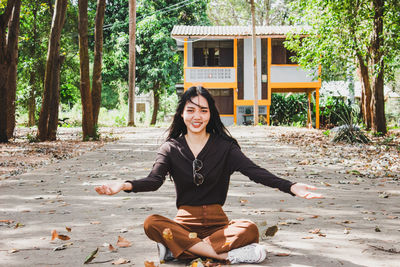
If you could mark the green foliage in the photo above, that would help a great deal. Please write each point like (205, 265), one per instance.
(289, 109)
(348, 131)
(327, 132)
(332, 110)
(32, 137)
(233, 12)
(339, 32)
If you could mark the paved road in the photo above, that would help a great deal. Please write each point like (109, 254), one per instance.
(61, 195)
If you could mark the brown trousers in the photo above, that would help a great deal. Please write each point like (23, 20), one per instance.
(210, 224)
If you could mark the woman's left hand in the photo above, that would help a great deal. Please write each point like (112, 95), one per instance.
(302, 190)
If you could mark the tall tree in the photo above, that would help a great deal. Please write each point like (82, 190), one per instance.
(253, 33)
(132, 62)
(90, 98)
(9, 18)
(97, 64)
(159, 66)
(48, 120)
(364, 33)
(234, 12)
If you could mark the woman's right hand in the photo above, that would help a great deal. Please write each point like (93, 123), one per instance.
(111, 189)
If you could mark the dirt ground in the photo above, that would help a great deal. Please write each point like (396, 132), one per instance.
(47, 187)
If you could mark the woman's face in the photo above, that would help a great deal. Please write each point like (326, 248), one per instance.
(196, 115)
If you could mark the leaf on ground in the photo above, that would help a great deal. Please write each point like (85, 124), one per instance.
(18, 225)
(282, 254)
(307, 237)
(6, 221)
(111, 248)
(149, 264)
(300, 219)
(14, 250)
(63, 246)
(377, 229)
(326, 184)
(91, 256)
(95, 222)
(68, 229)
(123, 243)
(120, 261)
(315, 231)
(243, 201)
(54, 235)
(63, 237)
(167, 234)
(271, 231)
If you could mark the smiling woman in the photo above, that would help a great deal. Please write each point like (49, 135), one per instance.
(201, 155)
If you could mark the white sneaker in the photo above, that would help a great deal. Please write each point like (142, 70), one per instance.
(164, 254)
(253, 253)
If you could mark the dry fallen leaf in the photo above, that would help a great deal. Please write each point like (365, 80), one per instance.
(123, 243)
(307, 237)
(149, 264)
(167, 234)
(271, 231)
(95, 222)
(91, 256)
(315, 231)
(63, 237)
(111, 248)
(120, 261)
(7, 221)
(68, 229)
(54, 235)
(19, 225)
(282, 254)
(14, 250)
(192, 235)
(300, 219)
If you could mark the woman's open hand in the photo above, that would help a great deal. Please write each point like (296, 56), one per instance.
(302, 190)
(110, 189)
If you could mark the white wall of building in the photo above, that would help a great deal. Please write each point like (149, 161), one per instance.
(248, 73)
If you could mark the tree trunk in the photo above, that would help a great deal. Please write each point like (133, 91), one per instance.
(377, 100)
(55, 100)
(4, 66)
(365, 93)
(156, 98)
(46, 128)
(132, 64)
(255, 83)
(32, 102)
(86, 99)
(33, 76)
(12, 47)
(97, 64)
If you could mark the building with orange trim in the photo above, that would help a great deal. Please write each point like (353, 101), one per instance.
(220, 58)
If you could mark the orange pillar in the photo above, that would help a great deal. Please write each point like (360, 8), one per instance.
(317, 108)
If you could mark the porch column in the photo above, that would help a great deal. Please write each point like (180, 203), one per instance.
(268, 109)
(309, 110)
(317, 108)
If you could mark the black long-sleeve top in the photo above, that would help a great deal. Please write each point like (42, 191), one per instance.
(220, 159)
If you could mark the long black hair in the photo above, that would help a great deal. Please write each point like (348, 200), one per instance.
(214, 126)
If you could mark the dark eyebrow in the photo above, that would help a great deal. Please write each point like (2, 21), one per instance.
(190, 100)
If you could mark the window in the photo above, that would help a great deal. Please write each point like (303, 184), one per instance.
(213, 53)
(280, 55)
(223, 100)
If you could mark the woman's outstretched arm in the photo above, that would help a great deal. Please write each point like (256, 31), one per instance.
(112, 189)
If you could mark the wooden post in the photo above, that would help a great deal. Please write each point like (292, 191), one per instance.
(132, 63)
(317, 108)
(253, 22)
(309, 110)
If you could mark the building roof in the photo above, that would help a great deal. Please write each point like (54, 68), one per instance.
(181, 31)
